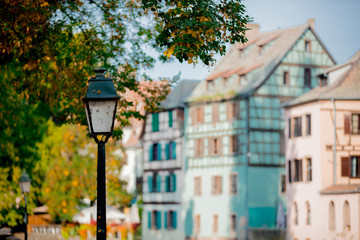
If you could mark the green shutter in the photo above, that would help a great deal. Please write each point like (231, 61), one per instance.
(150, 183)
(151, 153)
(165, 220)
(174, 220)
(170, 119)
(149, 220)
(173, 150)
(174, 182)
(158, 220)
(158, 183)
(167, 151)
(159, 151)
(155, 122)
(167, 179)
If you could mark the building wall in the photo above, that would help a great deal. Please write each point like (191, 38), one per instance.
(318, 147)
(163, 201)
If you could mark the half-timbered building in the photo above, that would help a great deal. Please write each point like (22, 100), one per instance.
(234, 173)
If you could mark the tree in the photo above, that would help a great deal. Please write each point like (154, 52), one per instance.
(70, 177)
(49, 48)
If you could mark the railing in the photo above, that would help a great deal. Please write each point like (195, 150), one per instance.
(47, 229)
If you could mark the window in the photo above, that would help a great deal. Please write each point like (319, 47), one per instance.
(233, 183)
(308, 125)
(289, 125)
(355, 126)
(233, 223)
(297, 127)
(261, 49)
(155, 182)
(283, 183)
(170, 118)
(307, 77)
(199, 147)
(197, 224)
(155, 122)
(170, 183)
(307, 46)
(286, 78)
(308, 170)
(216, 185)
(155, 152)
(346, 216)
(332, 225)
(215, 223)
(354, 168)
(308, 214)
(170, 220)
(155, 219)
(197, 186)
(234, 145)
(209, 84)
(350, 166)
(296, 214)
(215, 146)
(298, 171)
(215, 113)
(170, 150)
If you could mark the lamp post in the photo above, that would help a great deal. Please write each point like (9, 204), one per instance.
(100, 107)
(25, 189)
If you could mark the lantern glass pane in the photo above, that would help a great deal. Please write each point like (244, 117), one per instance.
(87, 117)
(102, 115)
(25, 186)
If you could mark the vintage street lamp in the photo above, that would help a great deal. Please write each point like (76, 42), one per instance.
(25, 189)
(100, 107)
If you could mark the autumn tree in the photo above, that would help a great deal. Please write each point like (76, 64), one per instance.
(49, 48)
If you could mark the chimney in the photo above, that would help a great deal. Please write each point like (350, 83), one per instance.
(311, 23)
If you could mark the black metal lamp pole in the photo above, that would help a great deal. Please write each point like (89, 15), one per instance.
(100, 107)
(25, 189)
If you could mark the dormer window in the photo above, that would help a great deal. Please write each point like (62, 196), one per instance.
(243, 79)
(307, 46)
(261, 49)
(209, 84)
(323, 80)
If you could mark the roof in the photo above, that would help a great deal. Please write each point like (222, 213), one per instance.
(178, 96)
(345, 85)
(341, 189)
(246, 58)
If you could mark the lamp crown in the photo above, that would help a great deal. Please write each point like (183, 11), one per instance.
(24, 177)
(100, 71)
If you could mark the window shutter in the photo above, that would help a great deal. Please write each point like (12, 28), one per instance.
(165, 220)
(174, 182)
(300, 171)
(149, 220)
(158, 220)
(347, 124)
(237, 110)
(173, 150)
(229, 111)
(159, 151)
(289, 168)
(345, 166)
(170, 119)
(167, 181)
(150, 183)
(167, 151)
(155, 122)
(215, 113)
(174, 220)
(151, 153)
